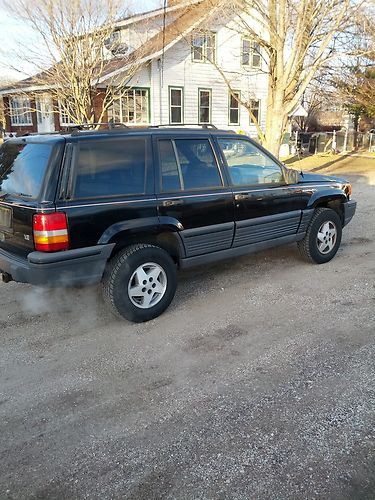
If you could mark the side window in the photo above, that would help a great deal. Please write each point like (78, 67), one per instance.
(248, 165)
(188, 164)
(110, 167)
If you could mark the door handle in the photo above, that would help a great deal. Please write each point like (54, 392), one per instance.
(242, 196)
(172, 203)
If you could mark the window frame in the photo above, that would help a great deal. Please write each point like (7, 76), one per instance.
(16, 115)
(251, 123)
(252, 51)
(182, 106)
(61, 113)
(240, 187)
(71, 177)
(230, 108)
(120, 101)
(181, 191)
(205, 35)
(204, 89)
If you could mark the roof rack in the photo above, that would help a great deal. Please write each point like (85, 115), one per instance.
(76, 128)
(182, 125)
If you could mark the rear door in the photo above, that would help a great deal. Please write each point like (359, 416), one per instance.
(27, 186)
(193, 194)
(265, 206)
(107, 187)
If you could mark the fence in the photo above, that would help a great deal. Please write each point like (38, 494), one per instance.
(321, 142)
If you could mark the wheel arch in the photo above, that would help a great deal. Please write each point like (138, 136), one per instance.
(153, 231)
(334, 202)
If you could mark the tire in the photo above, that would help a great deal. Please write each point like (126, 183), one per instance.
(322, 248)
(140, 282)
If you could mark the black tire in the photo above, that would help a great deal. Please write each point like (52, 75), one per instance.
(119, 273)
(309, 248)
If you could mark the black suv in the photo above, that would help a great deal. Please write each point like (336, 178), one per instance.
(128, 207)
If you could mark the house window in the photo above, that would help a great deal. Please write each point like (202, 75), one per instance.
(65, 114)
(255, 109)
(204, 47)
(250, 53)
(176, 105)
(20, 111)
(132, 108)
(204, 105)
(234, 108)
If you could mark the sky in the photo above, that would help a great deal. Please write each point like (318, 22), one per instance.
(13, 30)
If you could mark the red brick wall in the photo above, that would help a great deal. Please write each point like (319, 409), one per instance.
(20, 130)
(98, 105)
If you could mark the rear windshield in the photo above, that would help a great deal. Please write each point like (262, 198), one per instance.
(22, 168)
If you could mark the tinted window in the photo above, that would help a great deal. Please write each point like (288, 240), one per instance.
(110, 167)
(194, 167)
(249, 165)
(22, 168)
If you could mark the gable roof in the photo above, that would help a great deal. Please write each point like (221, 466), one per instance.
(189, 15)
(189, 19)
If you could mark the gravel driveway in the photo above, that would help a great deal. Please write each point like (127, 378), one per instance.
(258, 382)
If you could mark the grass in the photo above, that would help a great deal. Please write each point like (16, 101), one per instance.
(329, 161)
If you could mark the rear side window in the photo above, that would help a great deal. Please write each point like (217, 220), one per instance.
(188, 164)
(22, 168)
(110, 167)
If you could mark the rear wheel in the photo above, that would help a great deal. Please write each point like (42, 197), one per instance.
(323, 237)
(140, 282)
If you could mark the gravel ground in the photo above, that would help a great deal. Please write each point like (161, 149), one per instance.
(258, 382)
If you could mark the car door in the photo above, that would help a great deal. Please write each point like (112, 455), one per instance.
(265, 206)
(192, 193)
(107, 187)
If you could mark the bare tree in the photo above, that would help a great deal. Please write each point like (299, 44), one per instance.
(75, 48)
(295, 38)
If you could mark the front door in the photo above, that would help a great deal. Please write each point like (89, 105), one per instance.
(44, 113)
(266, 207)
(193, 194)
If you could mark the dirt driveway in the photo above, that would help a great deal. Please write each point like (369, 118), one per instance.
(257, 383)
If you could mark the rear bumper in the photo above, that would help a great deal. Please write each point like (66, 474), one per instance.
(349, 211)
(83, 266)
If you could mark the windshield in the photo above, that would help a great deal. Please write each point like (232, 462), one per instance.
(22, 168)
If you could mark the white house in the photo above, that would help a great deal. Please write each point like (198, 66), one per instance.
(185, 55)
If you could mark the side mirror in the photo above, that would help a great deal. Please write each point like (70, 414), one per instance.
(292, 176)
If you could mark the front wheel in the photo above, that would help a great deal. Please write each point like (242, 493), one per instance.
(323, 237)
(140, 282)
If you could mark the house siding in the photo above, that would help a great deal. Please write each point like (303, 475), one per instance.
(179, 70)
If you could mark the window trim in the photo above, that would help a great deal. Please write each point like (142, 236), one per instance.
(204, 46)
(251, 123)
(183, 190)
(73, 170)
(229, 107)
(251, 53)
(239, 187)
(175, 87)
(18, 115)
(204, 89)
(148, 105)
(61, 122)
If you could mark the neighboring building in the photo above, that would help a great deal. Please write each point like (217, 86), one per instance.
(176, 84)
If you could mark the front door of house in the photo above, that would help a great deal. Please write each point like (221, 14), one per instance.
(44, 112)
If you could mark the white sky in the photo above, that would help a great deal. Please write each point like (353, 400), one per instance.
(13, 30)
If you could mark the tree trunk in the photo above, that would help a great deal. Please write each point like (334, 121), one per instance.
(275, 122)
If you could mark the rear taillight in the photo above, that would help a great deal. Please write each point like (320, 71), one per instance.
(50, 232)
